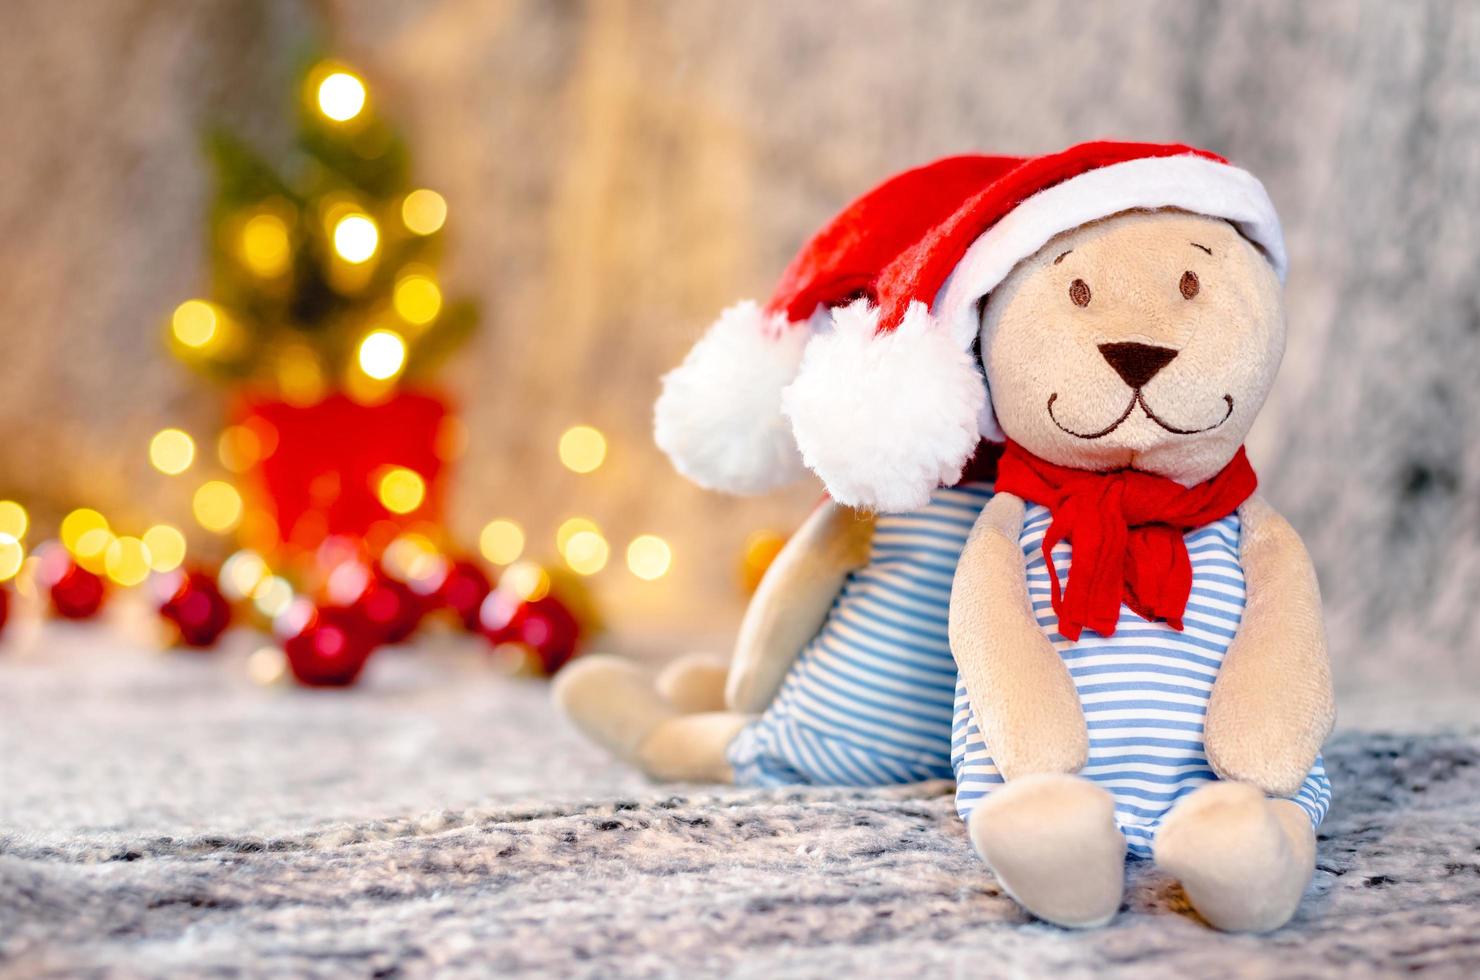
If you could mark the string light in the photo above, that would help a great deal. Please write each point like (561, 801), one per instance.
(241, 573)
(195, 323)
(12, 556)
(417, 299)
(356, 238)
(649, 557)
(265, 248)
(127, 561)
(166, 546)
(586, 552)
(501, 541)
(382, 354)
(217, 506)
(401, 490)
(78, 523)
(13, 519)
(424, 211)
(582, 448)
(171, 451)
(341, 96)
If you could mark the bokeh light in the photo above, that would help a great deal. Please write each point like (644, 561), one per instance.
(241, 573)
(401, 490)
(272, 596)
(412, 557)
(649, 557)
(424, 211)
(526, 580)
(265, 247)
(217, 506)
(13, 519)
(171, 451)
(501, 541)
(382, 354)
(91, 551)
(582, 448)
(356, 238)
(417, 299)
(195, 323)
(127, 561)
(78, 523)
(761, 549)
(341, 96)
(586, 552)
(267, 665)
(569, 528)
(166, 546)
(12, 556)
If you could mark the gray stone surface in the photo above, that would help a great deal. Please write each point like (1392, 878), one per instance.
(162, 816)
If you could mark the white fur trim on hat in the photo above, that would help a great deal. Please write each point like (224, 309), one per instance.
(718, 416)
(885, 418)
(1191, 183)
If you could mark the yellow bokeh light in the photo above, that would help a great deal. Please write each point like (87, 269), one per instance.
(171, 451)
(526, 580)
(13, 519)
(424, 211)
(267, 665)
(195, 323)
(166, 546)
(356, 238)
(272, 596)
(649, 557)
(78, 523)
(265, 247)
(241, 573)
(12, 556)
(501, 541)
(582, 448)
(217, 506)
(239, 448)
(401, 490)
(382, 354)
(569, 528)
(341, 96)
(411, 558)
(417, 299)
(586, 552)
(127, 561)
(91, 550)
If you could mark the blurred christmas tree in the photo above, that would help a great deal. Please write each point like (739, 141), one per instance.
(326, 319)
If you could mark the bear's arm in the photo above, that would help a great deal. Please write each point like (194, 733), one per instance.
(1272, 705)
(1020, 690)
(793, 601)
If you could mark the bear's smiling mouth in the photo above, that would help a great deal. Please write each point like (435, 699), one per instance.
(1138, 399)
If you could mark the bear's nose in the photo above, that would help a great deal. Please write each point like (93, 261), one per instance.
(1137, 363)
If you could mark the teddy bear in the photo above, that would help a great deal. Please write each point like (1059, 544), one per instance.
(842, 672)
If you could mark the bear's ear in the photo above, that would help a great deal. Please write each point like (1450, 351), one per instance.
(718, 416)
(884, 417)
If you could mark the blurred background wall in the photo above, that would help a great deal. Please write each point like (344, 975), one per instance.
(619, 171)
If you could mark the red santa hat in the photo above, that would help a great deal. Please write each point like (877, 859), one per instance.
(860, 367)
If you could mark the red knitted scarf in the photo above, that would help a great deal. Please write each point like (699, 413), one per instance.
(1126, 528)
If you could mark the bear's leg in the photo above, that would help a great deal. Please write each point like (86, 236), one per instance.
(1243, 859)
(695, 682)
(616, 705)
(1052, 842)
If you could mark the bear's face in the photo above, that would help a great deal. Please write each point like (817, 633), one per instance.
(1148, 340)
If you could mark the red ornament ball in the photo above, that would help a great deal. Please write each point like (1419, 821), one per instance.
(330, 648)
(75, 592)
(544, 626)
(4, 607)
(463, 591)
(391, 609)
(196, 608)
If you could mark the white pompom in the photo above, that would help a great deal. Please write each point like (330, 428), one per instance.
(719, 414)
(884, 419)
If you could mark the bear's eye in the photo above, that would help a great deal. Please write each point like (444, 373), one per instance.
(1189, 284)
(1079, 292)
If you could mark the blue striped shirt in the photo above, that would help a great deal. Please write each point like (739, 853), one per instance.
(1144, 690)
(870, 700)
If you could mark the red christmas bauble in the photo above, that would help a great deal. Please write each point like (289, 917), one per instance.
(463, 591)
(544, 626)
(331, 648)
(75, 592)
(390, 608)
(4, 607)
(197, 609)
